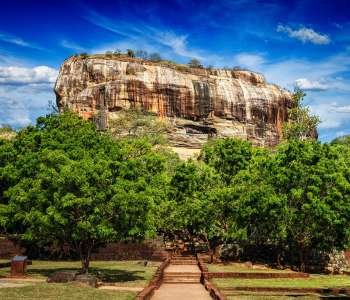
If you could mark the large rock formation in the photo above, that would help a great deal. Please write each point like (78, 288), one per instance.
(199, 103)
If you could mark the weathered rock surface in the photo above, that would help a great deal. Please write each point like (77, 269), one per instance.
(62, 276)
(200, 103)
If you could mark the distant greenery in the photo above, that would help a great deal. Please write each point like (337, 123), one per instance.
(301, 123)
(195, 63)
(342, 140)
(133, 123)
(62, 181)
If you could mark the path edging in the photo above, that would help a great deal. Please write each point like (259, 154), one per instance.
(256, 275)
(209, 286)
(155, 283)
(333, 291)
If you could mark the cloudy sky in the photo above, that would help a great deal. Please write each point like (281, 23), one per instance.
(304, 43)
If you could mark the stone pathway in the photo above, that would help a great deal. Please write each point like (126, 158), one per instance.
(181, 281)
(181, 291)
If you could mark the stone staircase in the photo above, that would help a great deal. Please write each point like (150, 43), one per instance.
(184, 260)
(188, 277)
(182, 269)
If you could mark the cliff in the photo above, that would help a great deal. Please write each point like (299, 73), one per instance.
(199, 103)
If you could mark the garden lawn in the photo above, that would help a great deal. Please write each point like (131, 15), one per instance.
(239, 267)
(63, 292)
(270, 297)
(314, 281)
(121, 273)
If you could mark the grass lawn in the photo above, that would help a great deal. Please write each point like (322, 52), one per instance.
(270, 297)
(62, 292)
(239, 267)
(314, 281)
(121, 273)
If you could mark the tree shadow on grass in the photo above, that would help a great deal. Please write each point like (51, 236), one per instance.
(106, 275)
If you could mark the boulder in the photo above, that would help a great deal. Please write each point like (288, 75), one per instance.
(87, 279)
(62, 277)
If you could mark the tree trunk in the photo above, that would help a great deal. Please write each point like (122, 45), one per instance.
(85, 250)
(301, 259)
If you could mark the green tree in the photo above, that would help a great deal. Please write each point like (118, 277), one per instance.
(133, 123)
(227, 156)
(301, 123)
(192, 208)
(130, 52)
(342, 140)
(141, 54)
(195, 63)
(155, 57)
(64, 182)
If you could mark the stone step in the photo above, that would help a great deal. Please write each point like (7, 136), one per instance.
(184, 257)
(179, 262)
(182, 280)
(182, 273)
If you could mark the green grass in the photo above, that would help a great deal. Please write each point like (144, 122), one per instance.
(238, 267)
(121, 273)
(314, 281)
(62, 292)
(270, 297)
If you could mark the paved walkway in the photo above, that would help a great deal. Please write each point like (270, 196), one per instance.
(181, 291)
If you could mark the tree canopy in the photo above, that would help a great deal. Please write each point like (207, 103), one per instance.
(64, 182)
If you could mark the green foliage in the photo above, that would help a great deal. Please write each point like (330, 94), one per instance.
(295, 198)
(342, 140)
(301, 123)
(155, 57)
(133, 123)
(130, 52)
(227, 156)
(141, 54)
(64, 182)
(195, 63)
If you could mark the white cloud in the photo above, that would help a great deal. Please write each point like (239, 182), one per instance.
(72, 46)
(21, 75)
(305, 35)
(25, 93)
(332, 114)
(161, 39)
(248, 60)
(343, 109)
(8, 38)
(311, 85)
(178, 44)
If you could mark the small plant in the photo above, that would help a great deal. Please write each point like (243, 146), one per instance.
(155, 57)
(141, 54)
(83, 55)
(130, 53)
(109, 53)
(195, 63)
(117, 52)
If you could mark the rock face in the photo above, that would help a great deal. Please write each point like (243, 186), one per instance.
(199, 103)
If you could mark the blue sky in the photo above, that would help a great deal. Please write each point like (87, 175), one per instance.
(295, 42)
